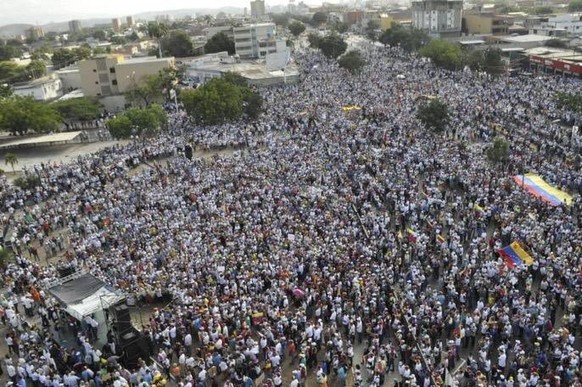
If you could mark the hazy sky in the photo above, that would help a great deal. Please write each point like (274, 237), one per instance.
(46, 11)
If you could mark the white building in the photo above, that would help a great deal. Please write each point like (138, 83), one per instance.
(571, 23)
(42, 89)
(257, 40)
(257, 9)
(441, 18)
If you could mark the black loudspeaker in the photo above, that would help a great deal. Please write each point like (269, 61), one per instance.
(188, 152)
(133, 346)
(65, 271)
(122, 319)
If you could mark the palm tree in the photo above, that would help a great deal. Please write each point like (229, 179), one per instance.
(158, 31)
(11, 159)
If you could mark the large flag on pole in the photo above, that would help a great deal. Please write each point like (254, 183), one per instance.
(539, 188)
(515, 255)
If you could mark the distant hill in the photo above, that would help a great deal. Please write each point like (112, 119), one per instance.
(11, 30)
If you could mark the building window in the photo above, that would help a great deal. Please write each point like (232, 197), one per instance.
(96, 82)
(94, 70)
(114, 82)
(112, 70)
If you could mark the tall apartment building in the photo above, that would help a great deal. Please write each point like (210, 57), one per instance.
(257, 40)
(441, 18)
(130, 21)
(35, 32)
(257, 9)
(116, 24)
(109, 75)
(75, 26)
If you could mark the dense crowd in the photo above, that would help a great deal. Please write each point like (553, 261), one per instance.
(322, 235)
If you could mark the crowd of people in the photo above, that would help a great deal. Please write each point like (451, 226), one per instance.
(327, 247)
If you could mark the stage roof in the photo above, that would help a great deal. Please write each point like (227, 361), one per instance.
(46, 139)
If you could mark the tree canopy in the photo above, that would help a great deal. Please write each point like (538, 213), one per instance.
(318, 18)
(138, 122)
(219, 42)
(499, 151)
(314, 39)
(434, 114)
(296, 28)
(488, 60)
(148, 89)
(19, 115)
(222, 99)
(408, 39)
(570, 101)
(575, 6)
(352, 61)
(8, 52)
(178, 44)
(332, 45)
(443, 54)
(11, 72)
(63, 57)
(78, 109)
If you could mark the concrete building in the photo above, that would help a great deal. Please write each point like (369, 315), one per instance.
(257, 40)
(211, 31)
(130, 21)
(75, 26)
(256, 73)
(116, 24)
(571, 23)
(111, 75)
(35, 32)
(257, 9)
(42, 89)
(486, 23)
(70, 78)
(441, 18)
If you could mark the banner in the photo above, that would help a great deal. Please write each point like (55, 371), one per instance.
(539, 188)
(515, 255)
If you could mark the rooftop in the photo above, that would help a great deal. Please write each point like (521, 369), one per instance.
(526, 38)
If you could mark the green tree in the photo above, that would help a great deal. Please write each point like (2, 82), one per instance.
(11, 159)
(406, 38)
(5, 256)
(156, 31)
(118, 39)
(488, 60)
(215, 102)
(8, 52)
(352, 61)
(443, 54)
(434, 115)
(146, 90)
(78, 109)
(314, 40)
(5, 91)
(20, 115)
(141, 122)
(119, 126)
(543, 11)
(372, 30)
(280, 19)
(340, 27)
(36, 69)
(178, 44)
(63, 57)
(218, 43)
(296, 28)
(498, 152)
(100, 35)
(569, 101)
(318, 18)
(575, 6)
(333, 45)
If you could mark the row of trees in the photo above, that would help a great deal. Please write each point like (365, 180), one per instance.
(21, 115)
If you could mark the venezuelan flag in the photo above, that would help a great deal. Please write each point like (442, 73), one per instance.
(411, 235)
(440, 239)
(539, 188)
(515, 255)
